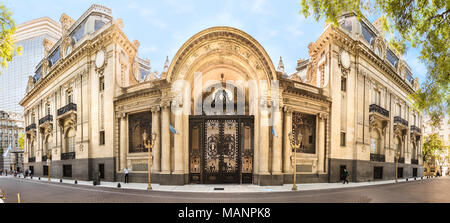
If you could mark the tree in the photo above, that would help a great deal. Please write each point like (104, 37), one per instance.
(434, 150)
(8, 47)
(21, 140)
(424, 24)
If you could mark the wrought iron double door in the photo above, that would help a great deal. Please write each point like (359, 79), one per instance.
(221, 149)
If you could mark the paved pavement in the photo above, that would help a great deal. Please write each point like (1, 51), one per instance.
(35, 191)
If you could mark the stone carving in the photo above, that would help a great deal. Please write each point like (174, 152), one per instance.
(344, 62)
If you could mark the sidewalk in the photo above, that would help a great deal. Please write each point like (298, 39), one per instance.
(230, 188)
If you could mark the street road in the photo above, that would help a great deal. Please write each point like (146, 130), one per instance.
(429, 190)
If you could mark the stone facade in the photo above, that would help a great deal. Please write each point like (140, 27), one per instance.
(102, 105)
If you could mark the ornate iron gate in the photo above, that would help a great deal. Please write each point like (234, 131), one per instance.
(221, 149)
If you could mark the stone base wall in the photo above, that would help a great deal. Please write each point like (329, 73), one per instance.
(363, 171)
(82, 169)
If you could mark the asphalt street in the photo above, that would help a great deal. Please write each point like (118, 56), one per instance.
(425, 191)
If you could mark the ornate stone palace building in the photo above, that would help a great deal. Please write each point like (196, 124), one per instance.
(92, 99)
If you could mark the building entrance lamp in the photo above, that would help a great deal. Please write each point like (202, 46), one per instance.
(148, 144)
(295, 144)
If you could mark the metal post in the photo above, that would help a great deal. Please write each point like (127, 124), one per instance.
(149, 147)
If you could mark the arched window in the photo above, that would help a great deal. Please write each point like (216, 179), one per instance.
(375, 142)
(70, 141)
(414, 151)
(47, 147)
(32, 150)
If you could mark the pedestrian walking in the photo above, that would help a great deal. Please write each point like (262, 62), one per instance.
(125, 170)
(31, 173)
(345, 176)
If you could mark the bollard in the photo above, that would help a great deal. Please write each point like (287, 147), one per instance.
(76, 182)
(60, 180)
(414, 178)
(421, 178)
(118, 185)
(406, 179)
(39, 178)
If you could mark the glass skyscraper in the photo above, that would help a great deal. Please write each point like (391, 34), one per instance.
(13, 80)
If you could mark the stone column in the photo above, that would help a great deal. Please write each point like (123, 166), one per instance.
(157, 147)
(264, 139)
(178, 141)
(287, 150)
(277, 141)
(321, 147)
(123, 141)
(165, 138)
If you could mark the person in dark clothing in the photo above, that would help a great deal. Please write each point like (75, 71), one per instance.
(345, 176)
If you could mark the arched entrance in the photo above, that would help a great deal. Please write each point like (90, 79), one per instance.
(226, 71)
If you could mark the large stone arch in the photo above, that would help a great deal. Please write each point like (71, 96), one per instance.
(228, 44)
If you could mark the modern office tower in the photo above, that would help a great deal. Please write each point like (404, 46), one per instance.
(14, 79)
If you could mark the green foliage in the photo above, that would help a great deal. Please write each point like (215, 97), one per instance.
(21, 140)
(8, 48)
(424, 24)
(434, 148)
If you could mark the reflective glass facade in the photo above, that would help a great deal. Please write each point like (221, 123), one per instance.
(13, 81)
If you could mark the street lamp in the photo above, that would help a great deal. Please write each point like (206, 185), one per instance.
(49, 161)
(295, 144)
(148, 144)
(397, 156)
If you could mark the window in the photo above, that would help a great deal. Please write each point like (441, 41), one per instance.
(102, 138)
(374, 142)
(69, 96)
(102, 84)
(48, 109)
(390, 56)
(368, 35)
(54, 57)
(347, 24)
(343, 84)
(98, 24)
(342, 138)
(399, 110)
(70, 141)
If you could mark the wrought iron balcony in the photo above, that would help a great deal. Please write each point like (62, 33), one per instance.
(68, 156)
(67, 108)
(398, 119)
(415, 129)
(48, 118)
(401, 160)
(30, 127)
(415, 161)
(378, 109)
(31, 159)
(377, 157)
(44, 158)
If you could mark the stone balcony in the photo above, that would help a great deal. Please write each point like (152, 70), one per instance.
(31, 127)
(45, 120)
(377, 157)
(401, 160)
(415, 161)
(31, 159)
(68, 156)
(68, 109)
(401, 121)
(378, 110)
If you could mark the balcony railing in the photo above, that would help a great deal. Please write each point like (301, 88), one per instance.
(378, 109)
(415, 161)
(415, 129)
(401, 160)
(67, 108)
(44, 158)
(377, 157)
(48, 118)
(68, 156)
(31, 159)
(398, 119)
(30, 127)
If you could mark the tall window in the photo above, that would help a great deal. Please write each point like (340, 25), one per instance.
(342, 138)
(48, 109)
(69, 96)
(70, 141)
(397, 147)
(343, 84)
(399, 110)
(375, 142)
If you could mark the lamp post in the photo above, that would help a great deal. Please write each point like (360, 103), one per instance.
(295, 144)
(49, 162)
(397, 154)
(148, 144)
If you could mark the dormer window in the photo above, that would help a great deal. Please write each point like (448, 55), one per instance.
(347, 24)
(54, 57)
(368, 35)
(78, 33)
(390, 56)
(37, 75)
(378, 51)
(409, 76)
(98, 25)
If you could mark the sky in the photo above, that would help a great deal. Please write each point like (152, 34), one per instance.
(162, 27)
